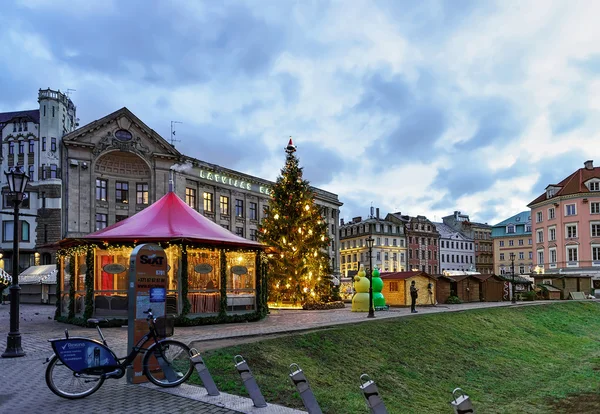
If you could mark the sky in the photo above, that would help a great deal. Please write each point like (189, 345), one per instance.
(421, 107)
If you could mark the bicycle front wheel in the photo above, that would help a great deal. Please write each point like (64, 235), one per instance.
(68, 384)
(168, 363)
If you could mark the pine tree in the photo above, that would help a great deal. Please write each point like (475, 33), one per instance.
(296, 231)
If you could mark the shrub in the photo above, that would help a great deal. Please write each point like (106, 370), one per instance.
(323, 305)
(528, 296)
(453, 300)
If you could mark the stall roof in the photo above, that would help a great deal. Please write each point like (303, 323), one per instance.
(404, 275)
(35, 275)
(170, 218)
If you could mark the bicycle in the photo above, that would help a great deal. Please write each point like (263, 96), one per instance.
(80, 365)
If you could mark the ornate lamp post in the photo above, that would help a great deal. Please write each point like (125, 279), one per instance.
(17, 181)
(512, 269)
(370, 242)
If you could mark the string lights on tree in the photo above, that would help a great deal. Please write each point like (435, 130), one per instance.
(295, 229)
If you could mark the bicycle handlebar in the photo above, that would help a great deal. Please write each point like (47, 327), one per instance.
(149, 313)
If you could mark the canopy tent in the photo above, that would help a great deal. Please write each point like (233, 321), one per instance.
(36, 275)
(170, 218)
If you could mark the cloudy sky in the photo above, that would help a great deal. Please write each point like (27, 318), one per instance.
(423, 107)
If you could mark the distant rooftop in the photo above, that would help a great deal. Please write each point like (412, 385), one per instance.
(33, 114)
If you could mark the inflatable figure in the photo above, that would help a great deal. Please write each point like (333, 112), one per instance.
(360, 301)
(378, 299)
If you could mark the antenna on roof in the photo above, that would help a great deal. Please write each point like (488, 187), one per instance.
(173, 140)
(69, 90)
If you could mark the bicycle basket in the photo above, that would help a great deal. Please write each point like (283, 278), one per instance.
(164, 325)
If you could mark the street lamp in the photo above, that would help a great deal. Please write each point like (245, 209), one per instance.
(17, 181)
(512, 268)
(370, 242)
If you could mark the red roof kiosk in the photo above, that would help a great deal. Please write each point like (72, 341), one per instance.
(211, 272)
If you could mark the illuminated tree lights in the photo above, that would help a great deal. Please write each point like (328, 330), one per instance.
(295, 229)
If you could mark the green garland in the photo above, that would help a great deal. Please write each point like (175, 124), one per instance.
(89, 285)
(59, 270)
(223, 289)
(72, 271)
(187, 306)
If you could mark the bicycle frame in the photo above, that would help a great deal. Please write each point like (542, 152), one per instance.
(90, 356)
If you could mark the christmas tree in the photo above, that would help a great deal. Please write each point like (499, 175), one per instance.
(295, 229)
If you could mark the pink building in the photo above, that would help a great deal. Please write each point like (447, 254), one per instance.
(566, 227)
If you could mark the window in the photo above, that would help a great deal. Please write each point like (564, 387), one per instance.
(224, 205)
(239, 231)
(52, 110)
(538, 217)
(31, 146)
(122, 192)
(21, 147)
(208, 202)
(53, 171)
(501, 256)
(43, 143)
(521, 269)
(596, 253)
(24, 231)
(253, 234)
(551, 213)
(253, 211)
(540, 236)
(386, 256)
(595, 186)
(101, 221)
(141, 193)
(530, 255)
(552, 254)
(225, 226)
(511, 242)
(570, 210)
(119, 218)
(521, 242)
(101, 186)
(53, 144)
(595, 208)
(571, 231)
(552, 234)
(30, 172)
(521, 255)
(378, 256)
(510, 228)
(540, 257)
(393, 286)
(530, 242)
(572, 254)
(394, 242)
(43, 171)
(595, 230)
(11, 148)
(190, 197)
(239, 208)
(386, 241)
(7, 230)
(501, 243)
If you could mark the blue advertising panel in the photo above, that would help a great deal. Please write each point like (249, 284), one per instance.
(81, 353)
(158, 294)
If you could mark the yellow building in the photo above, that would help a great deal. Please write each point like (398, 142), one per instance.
(513, 236)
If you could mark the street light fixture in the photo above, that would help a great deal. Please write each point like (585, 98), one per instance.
(512, 268)
(370, 242)
(17, 182)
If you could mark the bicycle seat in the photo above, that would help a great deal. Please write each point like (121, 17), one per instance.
(95, 321)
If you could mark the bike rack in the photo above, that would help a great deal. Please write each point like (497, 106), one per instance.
(203, 373)
(371, 394)
(306, 393)
(249, 382)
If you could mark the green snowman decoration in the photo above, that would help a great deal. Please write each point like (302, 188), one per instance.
(378, 299)
(360, 301)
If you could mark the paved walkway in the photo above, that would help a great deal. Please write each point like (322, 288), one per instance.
(23, 388)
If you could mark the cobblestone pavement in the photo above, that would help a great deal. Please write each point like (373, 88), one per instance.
(23, 388)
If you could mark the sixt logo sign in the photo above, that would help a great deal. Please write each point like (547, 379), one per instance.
(154, 260)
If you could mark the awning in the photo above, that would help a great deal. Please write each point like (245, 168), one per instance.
(36, 275)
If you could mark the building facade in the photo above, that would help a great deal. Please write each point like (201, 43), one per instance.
(89, 178)
(513, 235)
(32, 139)
(422, 241)
(566, 225)
(481, 234)
(389, 247)
(457, 252)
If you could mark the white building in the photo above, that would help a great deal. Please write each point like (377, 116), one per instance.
(457, 252)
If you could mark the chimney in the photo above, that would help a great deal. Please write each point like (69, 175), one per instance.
(377, 213)
(589, 164)
(341, 222)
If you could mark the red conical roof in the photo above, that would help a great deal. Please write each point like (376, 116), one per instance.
(167, 219)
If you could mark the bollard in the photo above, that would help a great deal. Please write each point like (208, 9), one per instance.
(462, 404)
(203, 373)
(371, 393)
(249, 382)
(306, 393)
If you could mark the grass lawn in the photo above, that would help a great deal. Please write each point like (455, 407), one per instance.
(531, 359)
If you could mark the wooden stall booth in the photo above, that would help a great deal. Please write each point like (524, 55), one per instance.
(211, 271)
(491, 288)
(396, 287)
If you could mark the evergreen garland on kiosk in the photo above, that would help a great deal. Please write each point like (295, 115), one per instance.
(297, 233)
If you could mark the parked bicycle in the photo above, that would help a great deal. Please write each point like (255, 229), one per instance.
(80, 365)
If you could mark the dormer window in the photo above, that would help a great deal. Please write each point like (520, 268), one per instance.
(594, 185)
(510, 228)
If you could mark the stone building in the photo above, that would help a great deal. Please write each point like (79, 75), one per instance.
(422, 242)
(389, 247)
(481, 234)
(457, 252)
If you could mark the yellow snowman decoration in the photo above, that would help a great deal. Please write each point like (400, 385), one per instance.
(360, 301)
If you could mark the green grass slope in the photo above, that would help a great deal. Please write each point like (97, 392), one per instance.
(531, 359)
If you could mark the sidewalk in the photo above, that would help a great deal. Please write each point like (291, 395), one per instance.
(23, 387)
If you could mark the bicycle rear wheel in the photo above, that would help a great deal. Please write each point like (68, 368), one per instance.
(168, 363)
(67, 384)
